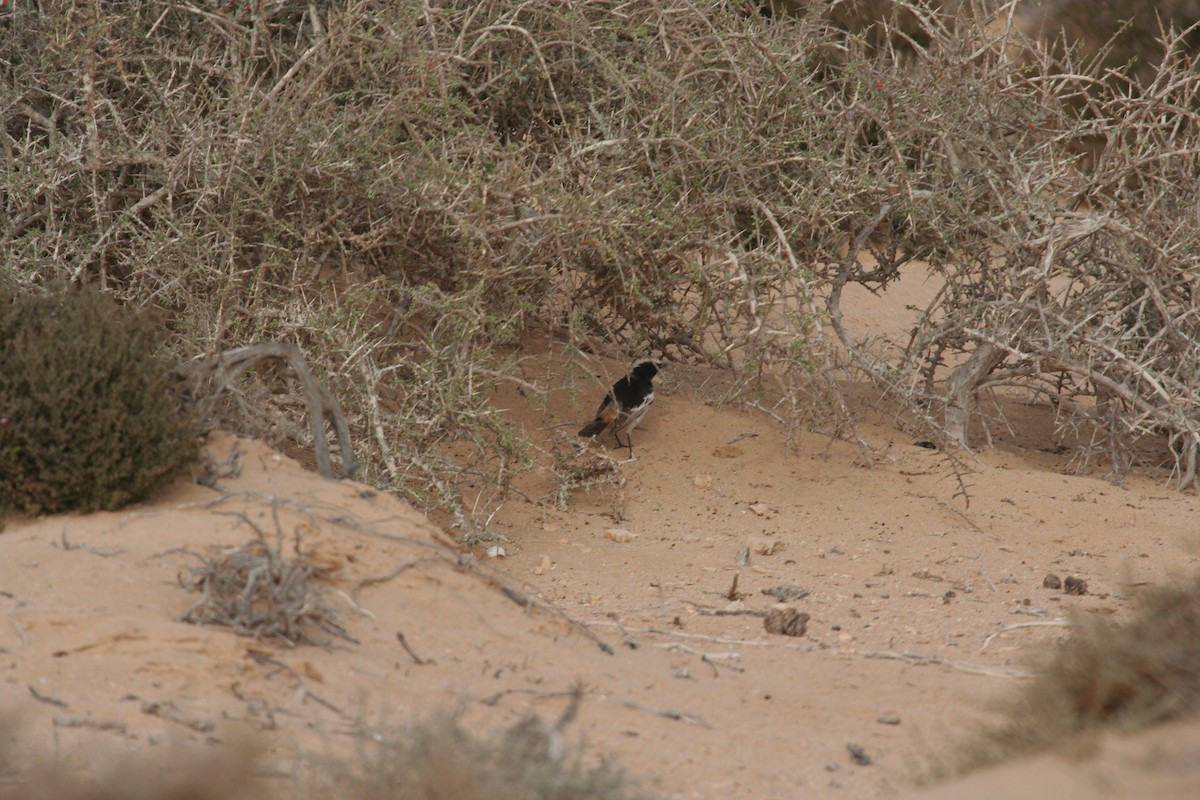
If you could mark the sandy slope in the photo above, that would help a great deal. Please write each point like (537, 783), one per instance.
(904, 590)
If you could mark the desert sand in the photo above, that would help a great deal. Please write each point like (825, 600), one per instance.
(923, 609)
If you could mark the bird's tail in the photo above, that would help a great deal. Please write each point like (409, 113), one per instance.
(593, 428)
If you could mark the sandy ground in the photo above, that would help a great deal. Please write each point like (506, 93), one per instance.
(921, 610)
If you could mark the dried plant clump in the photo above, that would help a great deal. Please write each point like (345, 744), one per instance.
(89, 419)
(259, 592)
(580, 467)
(1124, 676)
(441, 758)
(227, 774)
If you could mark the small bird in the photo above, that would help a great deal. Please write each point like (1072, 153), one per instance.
(625, 404)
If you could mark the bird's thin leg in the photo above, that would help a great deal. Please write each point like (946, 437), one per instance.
(627, 444)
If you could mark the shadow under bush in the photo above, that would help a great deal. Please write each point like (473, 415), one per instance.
(89, 420)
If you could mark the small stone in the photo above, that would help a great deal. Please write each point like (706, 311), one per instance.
(786, 621)
(542, 566)
(1073, 585)
(1051, 581)
(763, 545)
(859, 755)
(619, 535)
(742, 559)
(760, 508)
(702, 481)
(785, 594)
(832, 767)
(888, 719)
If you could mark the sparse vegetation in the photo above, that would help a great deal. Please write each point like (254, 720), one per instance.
(1124, 676)
(88, 417)
(258, 591)
(438, 759)
(407, 190)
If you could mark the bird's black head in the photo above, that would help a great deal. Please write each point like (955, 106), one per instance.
(644, 368)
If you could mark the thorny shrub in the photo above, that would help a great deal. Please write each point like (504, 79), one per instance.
(405, 189)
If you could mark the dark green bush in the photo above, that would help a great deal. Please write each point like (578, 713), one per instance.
(88, 419)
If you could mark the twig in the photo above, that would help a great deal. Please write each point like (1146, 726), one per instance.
(169, 711)
(913, 658)
(404, 643)
(717, 639)
(94, 724)
(17, 625)
(45, 698)
(305, 692)
(734, 612)
(67, 545)
(355, 607)
(1050, 623)
(372, 580)
(668, 713)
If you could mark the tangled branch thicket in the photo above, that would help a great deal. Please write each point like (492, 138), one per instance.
(405, 189)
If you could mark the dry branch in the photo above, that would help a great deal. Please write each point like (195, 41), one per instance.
(223, 370)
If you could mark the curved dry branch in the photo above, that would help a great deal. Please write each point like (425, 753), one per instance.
(222, 370)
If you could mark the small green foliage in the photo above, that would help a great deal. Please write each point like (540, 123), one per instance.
(88, 420)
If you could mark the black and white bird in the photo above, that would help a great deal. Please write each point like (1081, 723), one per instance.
(625, 404)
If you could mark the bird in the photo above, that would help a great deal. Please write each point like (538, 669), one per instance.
(625, 404)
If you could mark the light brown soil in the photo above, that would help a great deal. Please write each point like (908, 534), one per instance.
(912, 598)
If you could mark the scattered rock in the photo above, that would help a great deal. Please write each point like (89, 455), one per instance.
(760, 508)
(832, 767)
(888, 719)
(1052, 581)
(743, 557)
(928, 445)
(859, 755)
(542, 566)
(786, 621)
(702, 481)
(619, 535)
(1073, 585)
(763, 545)
(786, 594)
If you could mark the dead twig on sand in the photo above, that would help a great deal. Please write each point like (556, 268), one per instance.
(94, 724)
(305, 692)
(17, 625)
(169, 711)
(45, 698)
(408, 649)
(962, 666)
(1050, 623)
(68, 546)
